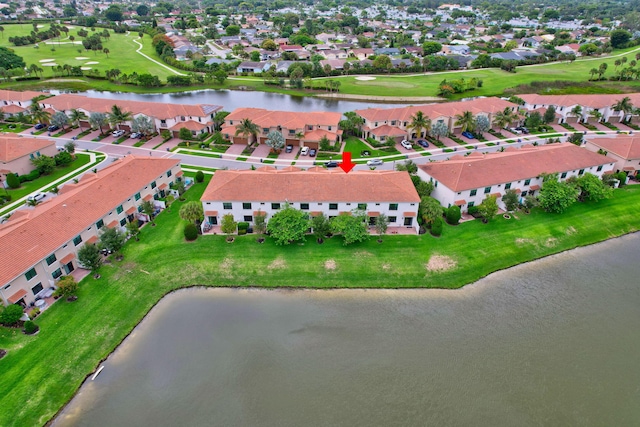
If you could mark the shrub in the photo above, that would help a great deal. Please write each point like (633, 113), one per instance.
(199, 176)
(11, 314)
(243, 226)
(472, 210)
(13, 181)
(453, 215)
(436, 226)
(30, 327)
(190, 232)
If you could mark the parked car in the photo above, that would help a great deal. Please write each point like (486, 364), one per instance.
(304, 151)
(331, 164)
(52, 128)
(468, 134)
(135, 135)
(515, 130)
(312, 152)
(39, 126)
(374, 162)
(36, 197)
(288, 149)
(61, 149)
(423, 143)
(406, 144)
(118, 133)
(522, 129)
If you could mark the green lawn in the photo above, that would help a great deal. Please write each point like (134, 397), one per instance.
(13, 127)
(40, 373)
(356, 146)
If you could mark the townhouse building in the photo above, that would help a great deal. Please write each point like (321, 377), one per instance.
(173, 117)
(40, 244)
(624, 150)
(384, 123)
(246, 194)
(592, 107)
(13, 102)
(16, 153)
(466, 181)
(298, 128)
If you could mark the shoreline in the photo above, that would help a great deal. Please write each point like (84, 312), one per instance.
(377, 98)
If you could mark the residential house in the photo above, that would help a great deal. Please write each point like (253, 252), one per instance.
(625, 150)
(335, 64)
(334, 54)
(13, 102)
(16, 153)
(197, 118)
(43, 242)
(246, 194)
(361, 53)
(298, 128)
(565, 104)
(389, 51)
(254, 67)
(467, 181)
(455, 49)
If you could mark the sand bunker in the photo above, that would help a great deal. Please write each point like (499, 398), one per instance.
(49, 64)
(438, 263)
(85, 68)
(46, 60)
(91, 63)
(365, 78)
(330, 264)
(81, 58)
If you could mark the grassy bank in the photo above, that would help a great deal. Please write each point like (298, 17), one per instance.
(40, 373)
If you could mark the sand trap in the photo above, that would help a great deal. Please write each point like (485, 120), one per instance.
(91, 63)
(46, 60)
(81, 58)
(85, 68)
(439, 263)
(50, 64)
(365, 78)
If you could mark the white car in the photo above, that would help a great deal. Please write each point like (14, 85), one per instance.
(36, 197)
(304, 151)
(406, 144)
(118, 133)
(374, 162)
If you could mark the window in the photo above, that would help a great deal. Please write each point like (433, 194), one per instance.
(140, 208)
(168, 174)
(227, 205)
(393, 122)
(119, 209)
(581, 172)
(470, 204)
(37, 288)
(599, 168)
(137, 196)
(123, 222)
(527, 181)
(408, 221)
(362, 206)
(564, 175)
(99, 224)
(524, 194)
(392, 219)
(304, 206)
(275, 205)
(333, 206)
(507, 186)
(292, 131)
(246, 205)
(473, 192)
(51, 259)
(153, 184)
(248, 218)
(31, 274)
(487, 190)
(393, 206)
(56, 273)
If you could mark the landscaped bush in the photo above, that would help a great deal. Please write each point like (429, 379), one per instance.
(13, 181)
(190, 232)
(436, 227)
(30, 328)
(453, 215)
(243, 226)
(472, 210)
(199, 176)
(11, 314)
(34, 174)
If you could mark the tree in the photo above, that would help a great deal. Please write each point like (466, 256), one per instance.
(439, 129)
(592, 188)
(112, 239)
(466, 121)
(549, 115)
(89, 257)
(382, 62)
(602, 68)
(260, 223)
(148, 209)
(67, 287)
(218, 119)
(429, 210)
(382, 223)
(436, 226)
(275, 140)
(98, 120)
(408, 166)
(320, 227)
(76, 116)
(488, 208)
(9, 60)
(60, 119)
(503, 118)
(575, 138)
(143, 124)
(247, 128)
(185, 133)
(288, 225)
(133, 229)
(192, 212)
(63, 158)
(13, 181)
(220, 76)
(199, 176)
(117, 116)
(482, 124)
(453, 214)
(44, 164)
(419, 122)
(534, 120)
(623, 105)
(228, 225)
(430, 48)
(352, 227)
(38, 114)
(233, 30)
(142, 10)
(556, 196)
(190, 232)
(11, 314)
(510, 200)
(619, 38)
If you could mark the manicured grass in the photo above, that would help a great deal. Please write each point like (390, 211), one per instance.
(13, 127)
(355, 146)
(40, 373)
(203, 168)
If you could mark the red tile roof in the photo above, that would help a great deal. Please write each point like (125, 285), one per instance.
(269, 185)
(17, 296)
(14, 147)
(591, 101)
(38, 232)
(484, 170)
(13, 109)
(287, 119)
(386, 130)
(191, 125)
(12, 95)
(627, 147)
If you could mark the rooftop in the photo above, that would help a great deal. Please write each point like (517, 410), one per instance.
(627, 147)
(14, 147)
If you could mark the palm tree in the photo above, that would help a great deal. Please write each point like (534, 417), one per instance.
(623, 105)
(77, 115)
(419, 122)
(118, 116)
(593, 72)
(247, 128)
(218, 119)
(38, 114)
(577, 111)
(465, 121)
(503, 118)
(596, 114)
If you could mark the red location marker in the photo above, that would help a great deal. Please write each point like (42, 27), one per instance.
(347, 164)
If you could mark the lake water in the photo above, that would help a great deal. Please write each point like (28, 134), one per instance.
(232, 99)
(554, 342)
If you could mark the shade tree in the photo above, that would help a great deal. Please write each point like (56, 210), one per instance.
(288, 225)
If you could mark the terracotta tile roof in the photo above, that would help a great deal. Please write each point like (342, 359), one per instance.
(386, 130)
(12, 95)
(460, 202)
(14, 147)
(67, 258)
(131, 210)
(92, 240)
(447, 109)
(269, 185)
(287, 119)
(591, 101)
(191, 125)
(159, 110)
(373, 213)
(12, 109)
(410, 214)
(627, 147)
(211, 213)
(484, 170)
(37, 232)
(316, 135)
(17, 296)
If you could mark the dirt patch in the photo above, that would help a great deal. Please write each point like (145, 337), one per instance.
(330, 265)
(124, 269)
(386, 267)
(570, 230)
(226, 267)
(277, 264)
(521, 242)
(439, 263)
(551, 242)
(362, 254)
